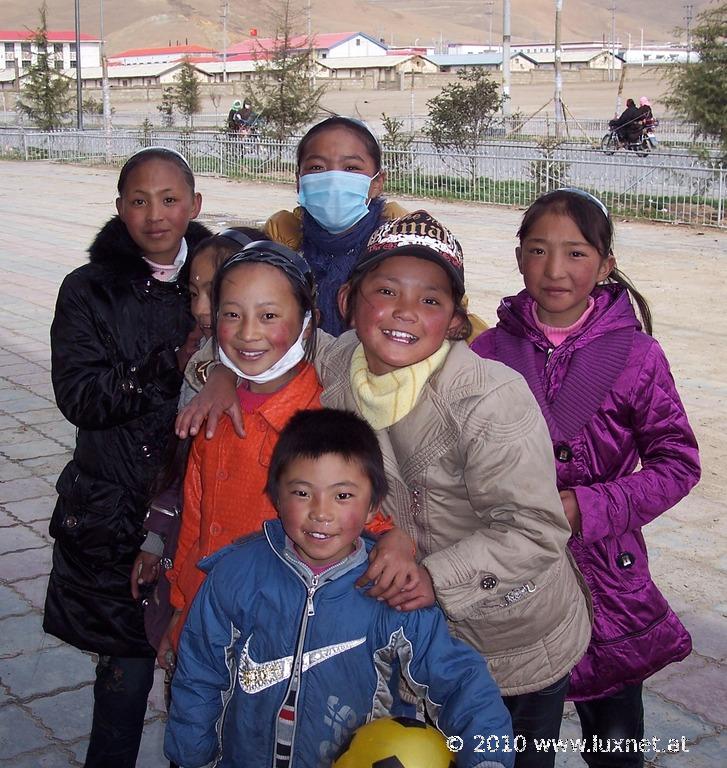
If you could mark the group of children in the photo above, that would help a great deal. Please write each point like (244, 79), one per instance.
(502, 566)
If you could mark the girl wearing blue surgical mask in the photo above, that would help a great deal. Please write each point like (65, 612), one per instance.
(340, 182)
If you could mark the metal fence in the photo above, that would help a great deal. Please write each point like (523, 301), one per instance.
(668, 186)
(587, 130)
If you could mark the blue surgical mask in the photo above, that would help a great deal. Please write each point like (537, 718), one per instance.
(335, 199)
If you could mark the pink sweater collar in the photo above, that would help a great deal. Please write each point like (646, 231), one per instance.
(557, 335)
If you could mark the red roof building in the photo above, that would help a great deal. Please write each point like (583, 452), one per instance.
(54, 36)
(165, 55)
(325, 45)
(17, 49)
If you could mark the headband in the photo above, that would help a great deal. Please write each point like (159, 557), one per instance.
(156, 148)
(237, 237)
(277, 255)
(587, 196)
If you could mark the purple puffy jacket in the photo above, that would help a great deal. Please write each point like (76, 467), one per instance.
(610, 402)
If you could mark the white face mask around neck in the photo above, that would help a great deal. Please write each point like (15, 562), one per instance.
(286, 363)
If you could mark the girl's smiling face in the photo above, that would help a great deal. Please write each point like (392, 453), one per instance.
(258, 320)
(201, 275)
(403, 311)
(560, 268)
(157, 204)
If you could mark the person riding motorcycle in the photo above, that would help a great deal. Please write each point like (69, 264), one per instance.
(629, 123)
(646, 112)
(240, 116)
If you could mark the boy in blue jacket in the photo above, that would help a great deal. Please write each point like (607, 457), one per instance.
(282, 658)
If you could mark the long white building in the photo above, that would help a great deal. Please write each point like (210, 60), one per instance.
(17, 49)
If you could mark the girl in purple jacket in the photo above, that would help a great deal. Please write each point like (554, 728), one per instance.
(610, 403)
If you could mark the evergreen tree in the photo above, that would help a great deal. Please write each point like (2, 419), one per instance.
(186, 92)
(284, 92)
(46, 98)
(698, 89)
(461, 115)
(166, 108)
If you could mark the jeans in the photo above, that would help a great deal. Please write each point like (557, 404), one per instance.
(537, 716)
(610, 724)
(119, 706)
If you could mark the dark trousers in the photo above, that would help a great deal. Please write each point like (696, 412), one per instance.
(537, 716)
(612, 725)
(119, 707)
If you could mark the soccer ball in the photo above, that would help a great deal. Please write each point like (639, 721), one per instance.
(395, 742)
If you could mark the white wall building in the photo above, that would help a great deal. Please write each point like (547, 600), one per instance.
(164, 55)
(327, 45)
(377, 68)
(17, 48)
(468, 49)
(133, 75)
(658, 54)
(575, 59)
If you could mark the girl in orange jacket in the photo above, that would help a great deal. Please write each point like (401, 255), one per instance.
(265, 321)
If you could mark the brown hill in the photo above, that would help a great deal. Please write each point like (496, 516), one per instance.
(141, 23)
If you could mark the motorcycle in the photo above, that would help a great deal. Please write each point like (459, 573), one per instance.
(643, 145)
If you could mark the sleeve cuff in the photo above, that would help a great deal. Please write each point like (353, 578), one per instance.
(153, 543)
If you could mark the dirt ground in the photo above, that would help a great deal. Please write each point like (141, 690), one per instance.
(582, 99)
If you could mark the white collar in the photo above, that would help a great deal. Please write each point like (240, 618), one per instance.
(168, 273)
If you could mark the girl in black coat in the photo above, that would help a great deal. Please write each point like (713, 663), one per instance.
(119, 343)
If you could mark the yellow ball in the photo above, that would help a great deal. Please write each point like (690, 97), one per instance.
(396, 742)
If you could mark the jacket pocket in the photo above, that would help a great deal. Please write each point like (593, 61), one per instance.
(93, 516)
(614, 565)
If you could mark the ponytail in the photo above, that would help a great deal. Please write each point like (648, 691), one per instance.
(619, 278)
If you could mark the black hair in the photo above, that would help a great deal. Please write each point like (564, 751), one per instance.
(222, 248)
(173, 466)
(304, 291)
(595, 225)
(368, 138)
(313, 434)
(154, 153)
(630, 103)
(460, 307)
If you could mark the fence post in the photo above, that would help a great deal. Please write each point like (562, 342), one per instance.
(720, 199)
(25, 145)
(411, 171)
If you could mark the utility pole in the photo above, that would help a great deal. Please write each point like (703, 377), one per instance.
(312, 49)
(490, 8)
(558, 96)
(105, 89)
(225, 10)
(612, 63)
(506, 109)
(79, 91)
(688, 11)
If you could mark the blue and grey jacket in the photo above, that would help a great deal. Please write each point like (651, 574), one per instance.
(278, 666)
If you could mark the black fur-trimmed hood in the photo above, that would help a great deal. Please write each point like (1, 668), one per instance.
(113, 247)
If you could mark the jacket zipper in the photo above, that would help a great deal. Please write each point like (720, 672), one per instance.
(548, 352)
(298, 662)
(633, 635)
(311, 591)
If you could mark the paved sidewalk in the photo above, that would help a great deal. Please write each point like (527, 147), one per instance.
(48, 216)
